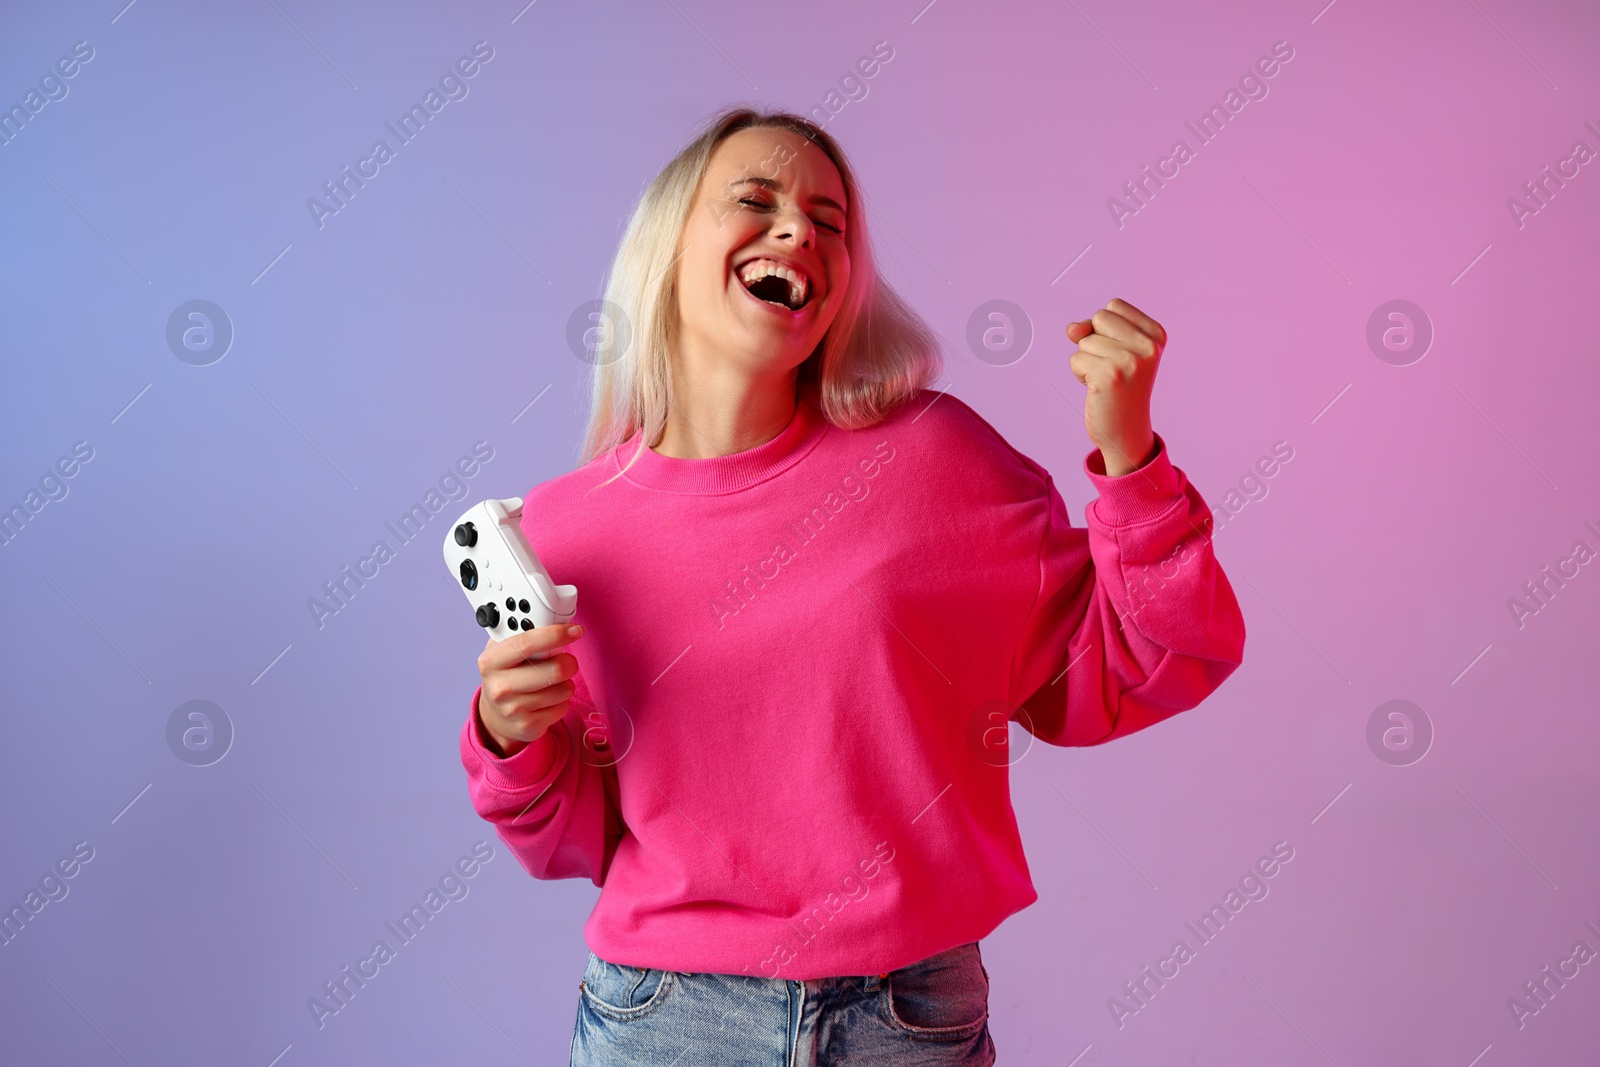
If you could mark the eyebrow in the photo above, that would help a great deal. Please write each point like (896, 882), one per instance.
(768, 183)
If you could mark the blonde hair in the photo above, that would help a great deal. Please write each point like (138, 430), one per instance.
(876, 354)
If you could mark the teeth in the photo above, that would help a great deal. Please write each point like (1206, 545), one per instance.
(757, 269)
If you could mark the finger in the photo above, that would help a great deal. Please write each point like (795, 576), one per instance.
(528, 726)
(540, 673)
(513, 650)
(1098, 344)
(523, 705)
(1104, 371)
(1148, 326)
(1084, 365)
(1114, 326)
(513, 693)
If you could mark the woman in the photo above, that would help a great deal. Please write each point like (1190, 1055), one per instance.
(813, 594)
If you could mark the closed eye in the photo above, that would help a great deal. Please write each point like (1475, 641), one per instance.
(753, 202)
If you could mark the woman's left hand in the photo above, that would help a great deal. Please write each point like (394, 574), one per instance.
(1119, 348)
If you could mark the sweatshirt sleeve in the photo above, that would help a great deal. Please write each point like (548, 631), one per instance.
(556, 812)
(1145, 627)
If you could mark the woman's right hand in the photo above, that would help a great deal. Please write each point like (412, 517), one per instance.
(520, 699)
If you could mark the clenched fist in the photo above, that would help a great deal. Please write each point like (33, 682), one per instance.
(1119, 348)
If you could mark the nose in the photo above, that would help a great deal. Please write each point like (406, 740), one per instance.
(794, 225)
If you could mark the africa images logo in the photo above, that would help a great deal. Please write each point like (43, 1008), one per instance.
(1252, 886)
(452, 86)
(806, 528)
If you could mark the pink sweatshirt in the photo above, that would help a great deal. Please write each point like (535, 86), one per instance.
(787, 752)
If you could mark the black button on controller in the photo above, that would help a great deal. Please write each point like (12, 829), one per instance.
(522, 606)
(466, 535)
(488, 616)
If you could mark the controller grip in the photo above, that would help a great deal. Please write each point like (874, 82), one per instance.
(562, 600)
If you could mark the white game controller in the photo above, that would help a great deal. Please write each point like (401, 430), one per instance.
(503, 580)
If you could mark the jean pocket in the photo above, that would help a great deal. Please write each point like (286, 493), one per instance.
(620, 992)
(945, 996)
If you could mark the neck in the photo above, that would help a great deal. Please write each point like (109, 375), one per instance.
(719, 414)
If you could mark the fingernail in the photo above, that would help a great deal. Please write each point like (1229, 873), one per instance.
(574, 631)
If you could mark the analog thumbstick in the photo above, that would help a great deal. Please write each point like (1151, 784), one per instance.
(466, 536)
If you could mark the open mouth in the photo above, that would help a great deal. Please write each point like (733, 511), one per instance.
(768, 280)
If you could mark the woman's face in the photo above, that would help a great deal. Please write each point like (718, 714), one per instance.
(762, 263)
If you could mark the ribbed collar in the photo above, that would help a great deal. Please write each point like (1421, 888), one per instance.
(726, 474)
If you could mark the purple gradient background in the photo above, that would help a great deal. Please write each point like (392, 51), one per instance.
(377, 349)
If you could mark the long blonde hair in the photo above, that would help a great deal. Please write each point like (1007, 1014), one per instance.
(876, 354)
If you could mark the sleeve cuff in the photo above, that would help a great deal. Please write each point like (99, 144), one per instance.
(1140, 495)
(532, 765)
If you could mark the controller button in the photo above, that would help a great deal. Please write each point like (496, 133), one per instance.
(488, 616)
(469, 574)
(511, 603)
(527, 624)
(522, 605)
(466, 535)
(511, 623)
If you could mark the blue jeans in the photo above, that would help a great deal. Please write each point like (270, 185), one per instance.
(928, 1014)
